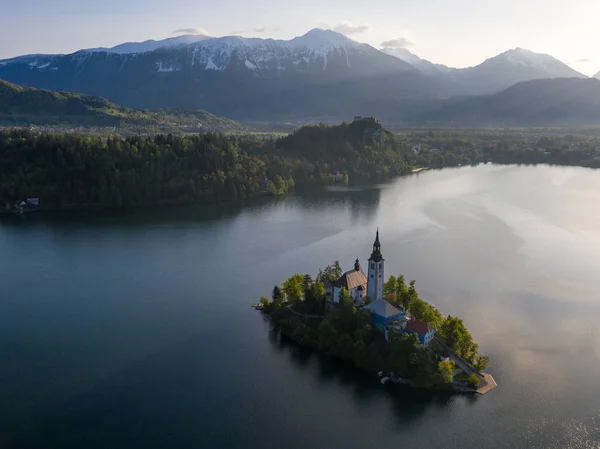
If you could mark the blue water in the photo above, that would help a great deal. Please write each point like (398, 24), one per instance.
(135, 331)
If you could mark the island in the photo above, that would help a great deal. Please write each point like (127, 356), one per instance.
(382, 326)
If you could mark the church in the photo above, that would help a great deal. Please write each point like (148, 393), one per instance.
(358, 285)
(384, 315)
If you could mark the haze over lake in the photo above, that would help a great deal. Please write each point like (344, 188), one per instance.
(135, 331)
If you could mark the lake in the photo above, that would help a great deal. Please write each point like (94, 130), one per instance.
(135, 331)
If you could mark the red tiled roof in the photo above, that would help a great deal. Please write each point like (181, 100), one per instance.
(416, 326)
(351, 279)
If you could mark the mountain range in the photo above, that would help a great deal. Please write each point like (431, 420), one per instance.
(322, 75)
(549, 102)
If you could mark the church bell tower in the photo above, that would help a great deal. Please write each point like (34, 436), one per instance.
(375, 278)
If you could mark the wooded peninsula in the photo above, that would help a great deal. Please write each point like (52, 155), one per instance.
(79, 171)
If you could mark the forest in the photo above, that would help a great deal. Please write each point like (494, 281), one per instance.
(68, 170)
(82, 171)
(452, 147)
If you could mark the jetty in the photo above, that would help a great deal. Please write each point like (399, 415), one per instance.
(487, 385)
(487, 382)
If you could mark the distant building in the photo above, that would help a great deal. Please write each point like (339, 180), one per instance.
(354, 281)
(359, 118)
(423, 330)
(383, 315)
(407, 324)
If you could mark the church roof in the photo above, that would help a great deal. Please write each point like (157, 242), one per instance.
(351, 279)
(383, 308)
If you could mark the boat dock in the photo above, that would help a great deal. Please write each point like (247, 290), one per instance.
(487, 385)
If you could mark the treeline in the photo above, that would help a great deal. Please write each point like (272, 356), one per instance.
(71, 170)
(66, 170)
(298, 310)
(448, 148)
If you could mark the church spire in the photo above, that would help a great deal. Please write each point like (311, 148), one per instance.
(376, 254)
(375, 277)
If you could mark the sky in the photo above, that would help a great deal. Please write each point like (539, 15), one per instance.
(458, 33)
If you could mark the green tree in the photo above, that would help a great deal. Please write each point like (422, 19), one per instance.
(346, 301)
(402, 353)
(293, 288)
(402, 292)
(328, 336)
(481, 363)
(264, 301)
(318, 295)
(445, 372)
(456, 336)
(390, 290)
(474, 380)
(330, 273)
(277, 297)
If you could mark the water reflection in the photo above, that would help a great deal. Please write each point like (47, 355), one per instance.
(407, 404)
(134, 330)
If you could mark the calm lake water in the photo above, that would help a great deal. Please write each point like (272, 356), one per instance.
(135, 331)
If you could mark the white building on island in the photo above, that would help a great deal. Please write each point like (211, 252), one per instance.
(358, 285)
(384, 315)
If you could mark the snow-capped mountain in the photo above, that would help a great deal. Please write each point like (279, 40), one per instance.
(423, 65)
(597, 75)
(322, 73)
(150, 45)
(494, 74)
(319, 73)
(511, 67)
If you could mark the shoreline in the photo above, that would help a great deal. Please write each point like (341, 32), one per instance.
(487, 381)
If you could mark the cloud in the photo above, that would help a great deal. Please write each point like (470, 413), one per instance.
(399, 42)
(581, 61)
(347, 27)
(261, 29)
(201, 31)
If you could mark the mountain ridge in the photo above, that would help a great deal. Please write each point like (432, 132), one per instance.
(319, 74)
(549, 102)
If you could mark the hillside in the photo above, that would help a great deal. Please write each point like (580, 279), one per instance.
(552, 102)
(27, 106)
(67, 169)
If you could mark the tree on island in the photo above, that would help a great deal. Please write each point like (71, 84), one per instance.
(455, 335)
(330, 273)
(390, 290)
(277, 297)
(293, 288)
